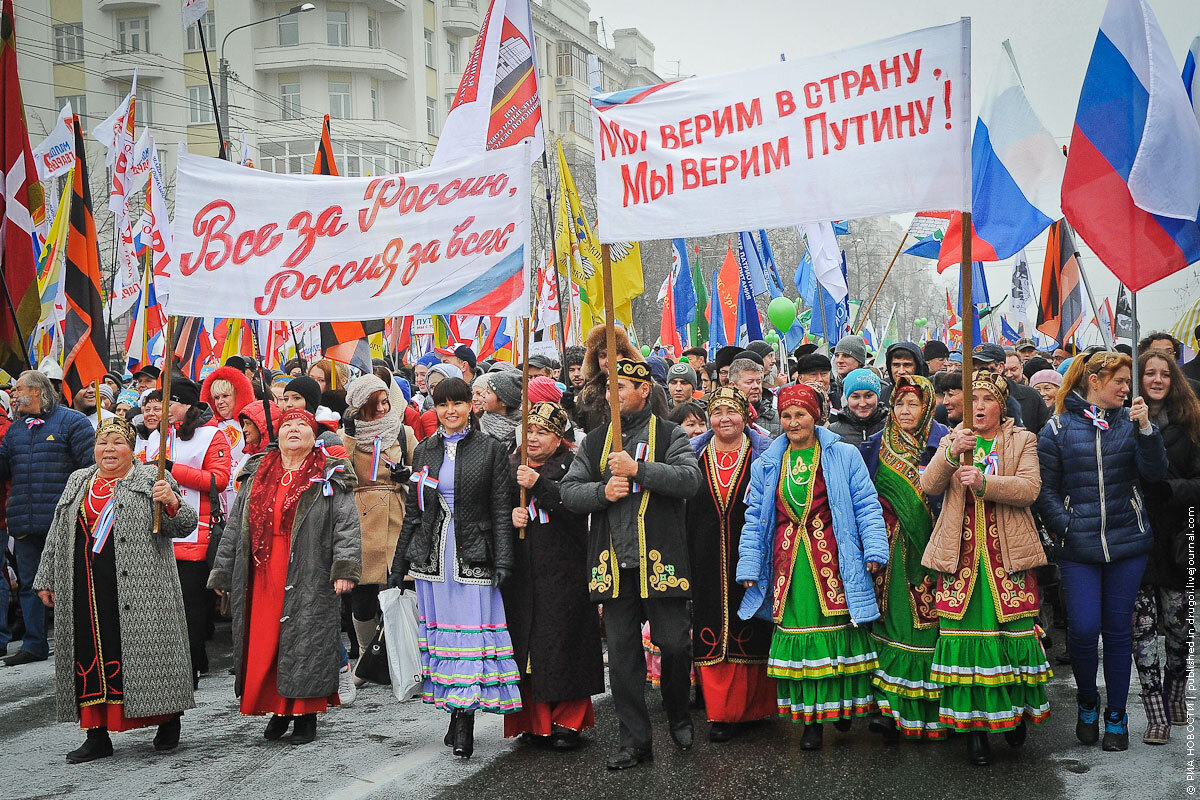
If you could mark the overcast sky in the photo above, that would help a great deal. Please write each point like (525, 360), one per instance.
(1051, 39)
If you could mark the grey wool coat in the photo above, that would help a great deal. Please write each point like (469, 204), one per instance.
(156, 663)
(326, 545)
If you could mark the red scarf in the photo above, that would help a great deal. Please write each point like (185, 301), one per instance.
(262, 499)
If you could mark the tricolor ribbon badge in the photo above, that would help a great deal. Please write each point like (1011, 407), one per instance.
(991, 464)
(33, 422)
(640, 452)
(537, 513)
(327, 482)
(1097, 417)
(104, 525)
(422, 479)
(376, 452)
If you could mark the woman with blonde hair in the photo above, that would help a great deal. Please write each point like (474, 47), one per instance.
(1094, 455)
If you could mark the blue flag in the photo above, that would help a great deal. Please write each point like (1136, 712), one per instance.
(837, 314)
(979, 298)
(716, 322)
(774, 282)
(750, 264)
(1007, 332)
(841, 227)
(747, 311)
(684, 293)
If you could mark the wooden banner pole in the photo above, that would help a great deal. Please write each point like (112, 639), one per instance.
(525, 410)
(164, 422)
(610, 347)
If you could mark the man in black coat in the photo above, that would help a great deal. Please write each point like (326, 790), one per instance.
(638, 556)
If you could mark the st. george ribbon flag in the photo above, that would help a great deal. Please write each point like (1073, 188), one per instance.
(876, 129)
(450, 240)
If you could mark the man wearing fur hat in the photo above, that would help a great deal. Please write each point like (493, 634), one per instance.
(638, 556)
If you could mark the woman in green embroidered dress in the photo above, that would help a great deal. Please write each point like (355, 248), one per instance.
(989, 658)
(907, 631)
(813, 536)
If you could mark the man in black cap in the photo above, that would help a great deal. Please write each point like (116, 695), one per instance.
(723, 358)
(146, 378)
(638, 556)
(540, 364)
(814, 370)
(935, 354)
(246, 364)
(1025, 405)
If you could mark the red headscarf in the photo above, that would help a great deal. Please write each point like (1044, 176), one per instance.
(302, 414)
(267, 480)
(801, 395)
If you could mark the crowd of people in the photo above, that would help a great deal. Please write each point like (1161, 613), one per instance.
(768, 534)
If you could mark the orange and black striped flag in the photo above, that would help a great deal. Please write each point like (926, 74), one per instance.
(1060, 307)
(84, 334)
(20, 210)
(325, 165)
(347, 343)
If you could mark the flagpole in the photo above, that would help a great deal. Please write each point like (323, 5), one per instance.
(967, 305)
(824, 321)
(1105, 335)
(610, 347)
(262, 371)
(212, 93)
(862, 316)
(1133, 307)
(525, 410)
(164, 424)
(12, 312)
(564, 376)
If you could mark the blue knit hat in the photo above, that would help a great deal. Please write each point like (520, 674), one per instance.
(429, 359)
(405, 388)
(860, 380)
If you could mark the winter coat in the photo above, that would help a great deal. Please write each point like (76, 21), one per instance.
(38, 460)
(1092, 501)
(325, 546)
(155, 660)
(5, 423)
(380, 505)
(870, 453)
(858, 526)
(554, 626)
(1034, 411)
(854, 430)
(1012, 489)
(1170, 502)
(243, 390)
(483, 531)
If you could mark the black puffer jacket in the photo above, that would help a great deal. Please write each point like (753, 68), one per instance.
(854, 430)
(1169, 502)
(483, 531)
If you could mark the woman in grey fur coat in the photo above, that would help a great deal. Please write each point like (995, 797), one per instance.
(122, 660)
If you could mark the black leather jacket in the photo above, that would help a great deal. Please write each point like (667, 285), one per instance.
(483, 531)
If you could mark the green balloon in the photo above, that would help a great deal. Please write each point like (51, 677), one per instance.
(646, 350)
(772, 337)
(920, 322)
(782, 313)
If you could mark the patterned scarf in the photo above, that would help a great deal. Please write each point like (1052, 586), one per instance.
(898, 478)
(262, 499)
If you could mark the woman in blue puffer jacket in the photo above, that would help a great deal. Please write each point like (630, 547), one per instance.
(1094, 454)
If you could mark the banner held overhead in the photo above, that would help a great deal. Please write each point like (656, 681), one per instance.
(254, 244)
(877, 129)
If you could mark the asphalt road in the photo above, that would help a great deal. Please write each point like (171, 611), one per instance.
(384, 750)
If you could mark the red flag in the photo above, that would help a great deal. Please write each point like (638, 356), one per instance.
(20, 210)
(84, 331)
(668, 335)
(725, 293)
(325, 165)
(950, 254)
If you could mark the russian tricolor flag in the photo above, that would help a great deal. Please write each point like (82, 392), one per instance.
(1132, 183)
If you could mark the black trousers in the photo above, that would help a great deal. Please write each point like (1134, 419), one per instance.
(670, 630)
(198, 602)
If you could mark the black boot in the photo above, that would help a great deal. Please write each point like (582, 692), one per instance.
(1087, 725)
(721, 731)
(277, 727)
(1116, 730)
(97, 745)
(814, 733)
(843, 724)
(563, 739)
(167, 737)
(464, 735)
(1016, 737)
(885, 726)
(979, 752)
(305, 729)
(449, 739)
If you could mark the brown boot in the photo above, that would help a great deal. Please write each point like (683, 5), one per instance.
(1176, 701)
(1158, 729)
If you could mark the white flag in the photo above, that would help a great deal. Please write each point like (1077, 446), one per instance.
(193, 10)
(826, 258)
(56, 154)
(1021, 295)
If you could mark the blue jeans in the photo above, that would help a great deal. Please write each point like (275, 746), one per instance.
(5, 633)
(1099, 599)
(28, 555)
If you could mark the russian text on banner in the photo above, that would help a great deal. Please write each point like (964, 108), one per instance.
(312, 247)
(877, 129)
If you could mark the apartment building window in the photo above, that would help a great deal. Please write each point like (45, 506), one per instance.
(431, 113)
(289, 100)
(354, 159)
(134, 34)
(375, 110)
(372, 29)
(68, 42)
(339, 99)
(209, 23)
(289, 31)
(78, 105)
(145, 105)
(572, 61)
(199, 106)
(574, 115)
(452, 55)
(430, 49)
(337, 27)
(293, 158)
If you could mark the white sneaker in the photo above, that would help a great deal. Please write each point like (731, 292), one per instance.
(346, 689)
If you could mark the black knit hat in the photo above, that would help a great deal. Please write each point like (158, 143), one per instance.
(307, 388)
(184, 390)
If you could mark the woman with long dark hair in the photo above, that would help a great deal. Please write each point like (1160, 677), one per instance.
(1162, 600)
(457, 542)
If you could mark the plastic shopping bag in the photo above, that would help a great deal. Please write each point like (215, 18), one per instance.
(399, 615)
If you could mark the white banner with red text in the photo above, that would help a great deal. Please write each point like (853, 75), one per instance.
(253, 244)
(877, 129)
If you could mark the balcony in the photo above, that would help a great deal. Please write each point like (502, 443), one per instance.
(383, 64)
(120, 67)
(122, 5)
(450, 82)
(461, 17)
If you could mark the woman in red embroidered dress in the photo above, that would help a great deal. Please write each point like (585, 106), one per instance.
(120, 607)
